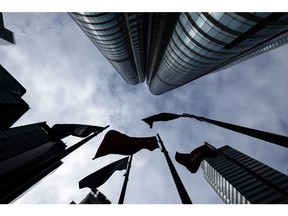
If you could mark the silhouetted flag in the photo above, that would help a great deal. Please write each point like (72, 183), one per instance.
(115, 142)
(60, 131)
(193, 160)
(160, 117)
(99, 177)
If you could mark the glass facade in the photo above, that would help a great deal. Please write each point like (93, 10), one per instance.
(206, 42)
(172, 49)
(256, 183)
(118, 36)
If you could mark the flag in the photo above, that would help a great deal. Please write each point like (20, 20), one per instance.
(160, 117)
(115, 142)
(193, 160)
(99, 177)
(60, 131)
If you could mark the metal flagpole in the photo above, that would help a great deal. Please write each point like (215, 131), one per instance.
(123, 191)
(179, 185)
(275, 187)
(266, 136)
(6, 196)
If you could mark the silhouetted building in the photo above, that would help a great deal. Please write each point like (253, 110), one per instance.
(172, 49)
(244, 180)
(6, 36)
(21, 150)
(12, 106)
(94, 197)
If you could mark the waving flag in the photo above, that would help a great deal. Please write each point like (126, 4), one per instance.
(193, 160)
(160, 117)
(115, 142)
(99, 177)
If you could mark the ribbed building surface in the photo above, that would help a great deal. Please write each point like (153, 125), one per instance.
(114, 37)
(244, 180)
(172, 49)
(22, 149)
(131, 42)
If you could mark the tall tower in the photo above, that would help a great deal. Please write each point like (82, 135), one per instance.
(244, 180)
(6, 36)
(131, 42)
(12, 106)
(203, 43)
(21, 150)
(172, 49)
(112, 35)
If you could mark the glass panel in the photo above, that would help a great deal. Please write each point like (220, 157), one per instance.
(217, 15)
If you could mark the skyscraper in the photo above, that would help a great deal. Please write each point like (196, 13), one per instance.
(241, 179)
(6, 36)
(131, 42)
(21, 150)
(172, 49)
(12, 106)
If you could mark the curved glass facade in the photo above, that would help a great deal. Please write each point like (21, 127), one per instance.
(205, 42)
(109, 33)
(172, 49)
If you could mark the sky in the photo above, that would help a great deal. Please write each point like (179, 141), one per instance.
(69, 81)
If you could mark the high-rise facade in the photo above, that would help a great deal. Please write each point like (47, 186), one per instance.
(12, 106)
(240, 179)
(172, 49)
(22, 149)
(6, 36)
(131, 42)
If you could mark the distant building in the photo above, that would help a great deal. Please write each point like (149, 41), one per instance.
(172, 49)
(244, 180)
(21, 150)
(94, 197)
(6, 36)
(12, 106)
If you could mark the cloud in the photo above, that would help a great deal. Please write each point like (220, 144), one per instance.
(69, 81)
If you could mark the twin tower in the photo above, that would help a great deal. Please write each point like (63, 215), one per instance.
(172, 49)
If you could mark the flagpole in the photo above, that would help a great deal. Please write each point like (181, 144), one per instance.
(266, 136)
(275, 187)
(179, 185)
(123, 191)
(6, 196)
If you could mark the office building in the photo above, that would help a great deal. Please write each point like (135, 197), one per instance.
(131, 42)
(240, 179)
(22, 149)
(12, 106)
(172, 49)
(6, 36)
(94, 197)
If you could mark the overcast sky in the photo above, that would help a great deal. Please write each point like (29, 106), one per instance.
(69, 81)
